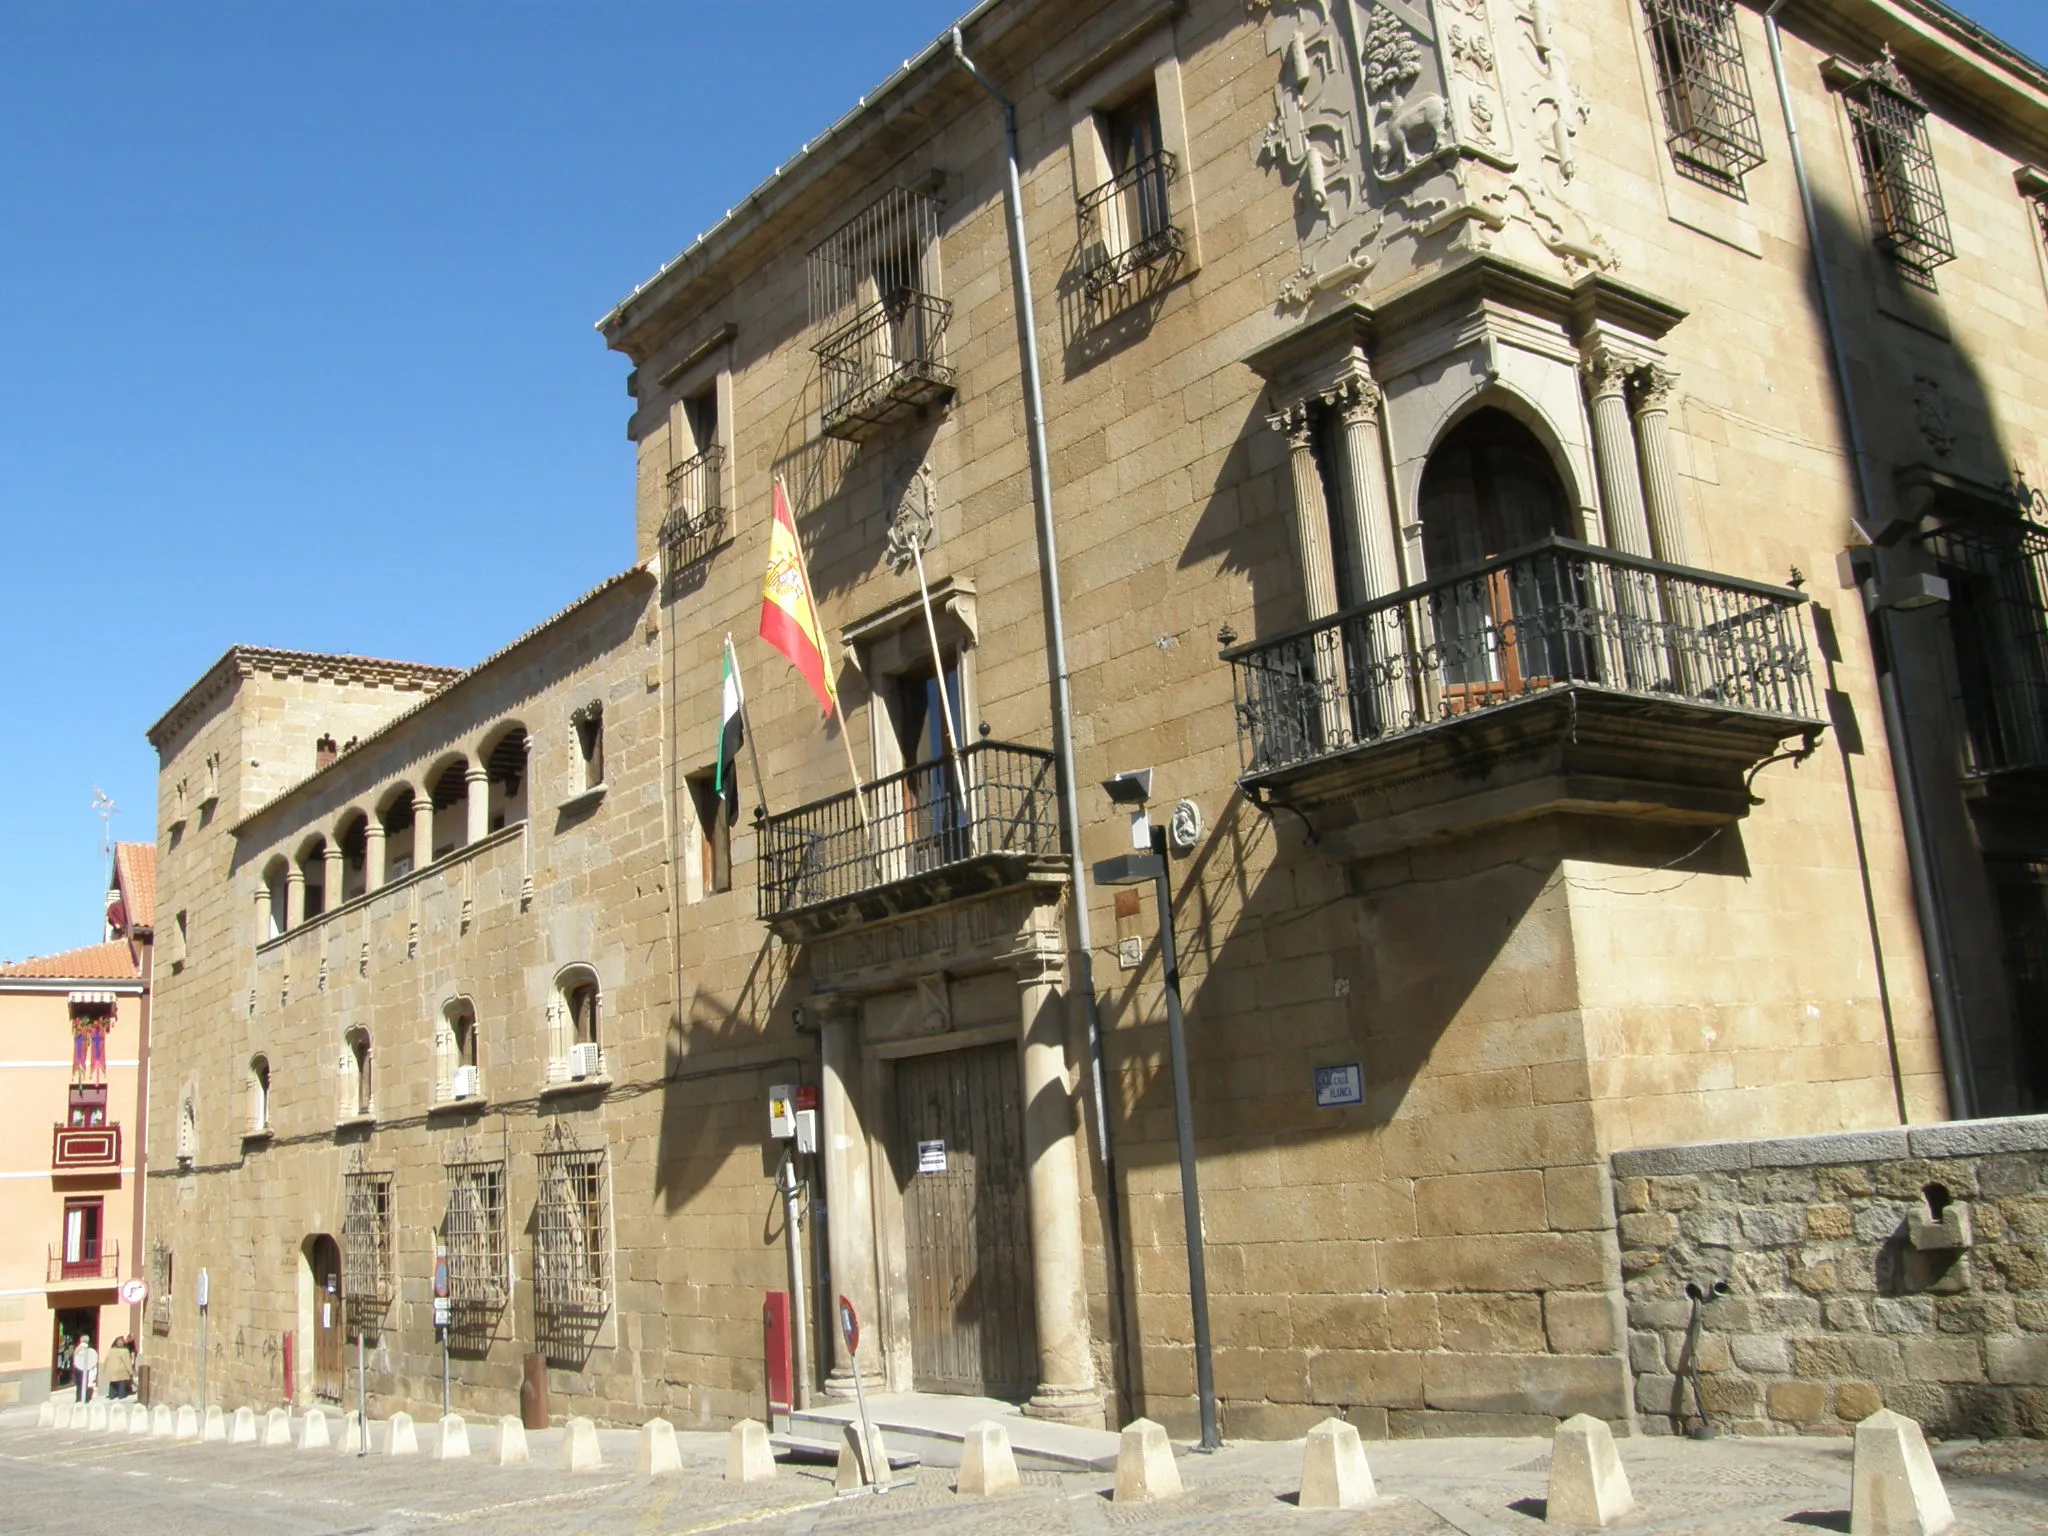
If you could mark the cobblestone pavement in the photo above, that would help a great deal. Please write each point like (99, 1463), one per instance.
(66, 1481)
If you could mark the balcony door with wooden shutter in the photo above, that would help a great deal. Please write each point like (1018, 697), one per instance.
(967, 1231)
(1490, 489)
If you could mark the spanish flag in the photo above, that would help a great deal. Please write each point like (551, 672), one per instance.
(789, 617)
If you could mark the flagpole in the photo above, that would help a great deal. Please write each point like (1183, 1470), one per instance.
(732, 659)
(931, 630)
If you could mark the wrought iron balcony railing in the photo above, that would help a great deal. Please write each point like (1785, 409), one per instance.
(1000, 799)
(1127, 226)
(105, 1264)
(1560, 614)
(888, 360)
(695, 520)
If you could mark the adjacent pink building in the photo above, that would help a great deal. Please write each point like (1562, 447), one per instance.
(74, 1033)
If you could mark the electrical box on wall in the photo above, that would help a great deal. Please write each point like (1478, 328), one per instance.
(782, 1111)
(807, 1131)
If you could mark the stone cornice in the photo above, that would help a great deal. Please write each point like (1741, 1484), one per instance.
(242, 661)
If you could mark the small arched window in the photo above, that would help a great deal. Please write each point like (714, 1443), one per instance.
(458, 1074)
(259, 1095)
(356, 1082)
(576, 1051)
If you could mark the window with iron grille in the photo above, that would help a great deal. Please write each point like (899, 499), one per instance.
(1709, 115)
(572, 1260)
(367, 1276)
(160, 1276)
(875, 304)
(1997, 574)
(473, 1227)
(1907, 214)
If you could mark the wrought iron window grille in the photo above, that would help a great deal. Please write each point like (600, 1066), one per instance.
(368, 1277)
(1127, 231)
(694, 525)
(572, 1259)
(1997, 574)
(875, 301)
(473, 1229)
(1560, 613)
(998, 799)
(1907, 213)
(1709, 114)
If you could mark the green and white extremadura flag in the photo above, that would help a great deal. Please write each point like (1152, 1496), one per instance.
(731, 733)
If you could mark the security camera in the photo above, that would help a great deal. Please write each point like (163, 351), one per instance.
(1133, 788)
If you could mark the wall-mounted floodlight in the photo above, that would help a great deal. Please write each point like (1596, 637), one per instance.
(1133, 788)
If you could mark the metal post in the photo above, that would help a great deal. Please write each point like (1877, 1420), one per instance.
(445, 1410)
(202, 1362)
(1184, 1133)
(799, 1326)
(1062, 700)
(867, 1426)
(362, 1399)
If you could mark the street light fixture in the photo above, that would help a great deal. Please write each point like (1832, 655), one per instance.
(1135, 868)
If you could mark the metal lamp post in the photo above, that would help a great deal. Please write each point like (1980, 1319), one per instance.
(1136, 869)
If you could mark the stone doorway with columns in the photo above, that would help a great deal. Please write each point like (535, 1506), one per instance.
(925, 1020)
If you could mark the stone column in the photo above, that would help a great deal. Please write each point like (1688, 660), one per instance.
(294, 895)
(849, 1202)
(262, 913)
(1379, 563)
(422, 828)
(331, 872)
(1652, 401)
(1318, 572)
(373, 853)
(1066, 1369)
(1311, 513)
(1614, 450)
(479, 780)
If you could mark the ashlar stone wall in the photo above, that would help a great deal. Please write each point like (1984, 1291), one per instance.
(1903, 1269)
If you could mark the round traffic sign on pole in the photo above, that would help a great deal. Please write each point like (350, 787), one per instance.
(849, 1326)
(135, 1291)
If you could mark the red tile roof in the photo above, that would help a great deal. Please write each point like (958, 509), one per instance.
(97, 962)
(135, 873)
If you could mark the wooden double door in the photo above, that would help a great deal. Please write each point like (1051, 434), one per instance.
(329, 1329)
(959, 1160)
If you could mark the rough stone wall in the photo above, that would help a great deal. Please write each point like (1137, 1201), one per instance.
(1845, 1293)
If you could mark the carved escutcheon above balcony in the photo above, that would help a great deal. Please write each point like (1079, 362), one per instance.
(1561, 678)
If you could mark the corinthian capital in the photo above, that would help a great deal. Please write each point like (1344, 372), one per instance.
(1356, 398)
(1606, 370)
(1294, 422)
(1652, 387)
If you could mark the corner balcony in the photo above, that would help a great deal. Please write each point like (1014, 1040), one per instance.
(931, 834)
(1561, 679)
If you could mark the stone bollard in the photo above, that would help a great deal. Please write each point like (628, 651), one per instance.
(62, 1414)
(1145, 1467)
(214, 1424)
(580, 1451)
(1333, 1470)
(855, 1469)
(46, 1416)
(987, 1464)
(162, 1422)
(351, 1438)
(138, 1420)
(1894, 1488)
(96, 1416)
(399, 1439)
(454, 1445)
(188, 1423)
(277, 1427)
(512, 1441)
(313, 1434)
(243, 1430)
(117, 1417)
(749, 1458)
(658, 1455)
(1587, 1483)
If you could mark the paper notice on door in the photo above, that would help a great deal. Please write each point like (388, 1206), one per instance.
(931, 1157)
(326, 1314)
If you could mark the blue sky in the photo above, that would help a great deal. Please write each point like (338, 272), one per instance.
(296, 346)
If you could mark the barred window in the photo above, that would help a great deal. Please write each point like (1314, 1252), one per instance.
(1906, 208)
(1709, 115)
(161, 1271)
(367, 1275)
(572, 1269)
(1997, 574)
(479, 1263)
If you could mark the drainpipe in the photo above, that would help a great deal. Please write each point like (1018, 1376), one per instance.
(1928, 901)
(1062, 702)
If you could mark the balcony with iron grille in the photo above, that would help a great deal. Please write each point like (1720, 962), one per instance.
(1997, 619)
(1560, 679)
(934, 833)
(885, 365)
(94, 1265)
(1130, 244)
(693, 527)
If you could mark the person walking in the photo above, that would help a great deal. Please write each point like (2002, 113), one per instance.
(85, 1366)
(118, 1369)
